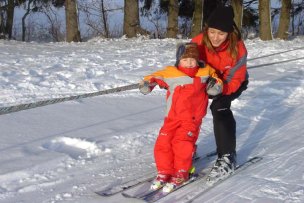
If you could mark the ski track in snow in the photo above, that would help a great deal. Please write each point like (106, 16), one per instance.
(69, 163)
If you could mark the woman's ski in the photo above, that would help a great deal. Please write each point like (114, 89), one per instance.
(205, 186)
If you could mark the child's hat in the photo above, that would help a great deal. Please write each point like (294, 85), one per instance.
(186, 50)
(222, 19)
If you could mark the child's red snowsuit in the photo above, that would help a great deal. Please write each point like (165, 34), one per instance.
(187, 103)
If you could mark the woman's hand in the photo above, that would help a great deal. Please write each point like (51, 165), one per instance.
(214, 88)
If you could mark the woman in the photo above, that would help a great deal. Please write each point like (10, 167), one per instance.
(220, 46)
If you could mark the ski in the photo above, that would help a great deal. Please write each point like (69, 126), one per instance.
(159, 194)
(189, 195)
(205, 186)
(125, 186)
(110, 191)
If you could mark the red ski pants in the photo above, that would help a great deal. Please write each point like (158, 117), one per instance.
(174, 146)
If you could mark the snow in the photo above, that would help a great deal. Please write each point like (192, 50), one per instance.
(66, 151)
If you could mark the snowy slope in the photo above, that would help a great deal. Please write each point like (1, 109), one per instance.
(64, 152)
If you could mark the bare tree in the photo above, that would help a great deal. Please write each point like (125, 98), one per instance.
(55, 24)
(72, 30)
(2, 21)
(284, 20)
(197, 20)
(96, 14)
(265, 20)
(104, 17)
(172, 29)
(238, 12)
(131, 25)
(154, 15)
(27, 12)
(10, 18)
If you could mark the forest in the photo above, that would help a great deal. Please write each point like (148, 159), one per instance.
(81, 20)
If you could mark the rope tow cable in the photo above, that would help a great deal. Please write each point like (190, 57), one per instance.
(20, 107)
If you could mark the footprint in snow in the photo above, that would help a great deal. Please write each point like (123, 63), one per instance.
(74, 147)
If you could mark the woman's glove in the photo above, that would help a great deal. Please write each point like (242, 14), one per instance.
(214, 88)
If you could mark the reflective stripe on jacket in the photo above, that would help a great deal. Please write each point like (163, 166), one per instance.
(186, 96)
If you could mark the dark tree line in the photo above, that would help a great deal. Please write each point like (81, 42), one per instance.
(255, 14)
(7, 8)
(186, 17)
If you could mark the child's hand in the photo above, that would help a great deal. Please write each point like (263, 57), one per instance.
(159, 82)
(213, 87)
(145, 87)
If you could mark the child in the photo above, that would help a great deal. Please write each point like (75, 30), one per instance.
(188, 86)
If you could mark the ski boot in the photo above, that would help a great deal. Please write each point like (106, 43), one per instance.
(223, 167)
(177, 180)
(160, 181)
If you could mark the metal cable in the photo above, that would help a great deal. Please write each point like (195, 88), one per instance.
(10, 109)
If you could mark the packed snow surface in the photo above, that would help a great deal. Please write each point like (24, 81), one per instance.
(66, 151)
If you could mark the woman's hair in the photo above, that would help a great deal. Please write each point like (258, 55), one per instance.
(233, 38)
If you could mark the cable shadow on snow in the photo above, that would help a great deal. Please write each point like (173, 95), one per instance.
(268, 111)
(274, 63)
(274, 54)
(74, 130)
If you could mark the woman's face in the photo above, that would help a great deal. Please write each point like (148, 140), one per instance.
(216, 36)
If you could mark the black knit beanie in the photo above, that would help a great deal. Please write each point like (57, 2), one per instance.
(222, 19)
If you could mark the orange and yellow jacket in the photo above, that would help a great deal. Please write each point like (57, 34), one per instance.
(186, 96)
(232, 72)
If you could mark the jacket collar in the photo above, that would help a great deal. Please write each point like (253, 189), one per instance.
(223, 46)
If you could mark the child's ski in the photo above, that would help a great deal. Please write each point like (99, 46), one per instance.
(136, 182)
(153, 196)
(125, 186)
(145, 193)
(203, 187)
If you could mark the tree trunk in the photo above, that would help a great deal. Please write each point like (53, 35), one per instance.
(131, 18)
(10, 18)
(197, 21)
(265, 20)
(72, 31)
(284, 19)
(2, 30)
(238, 12)
(28, 10)
(172, 28)
(104, 17)
(292, 20)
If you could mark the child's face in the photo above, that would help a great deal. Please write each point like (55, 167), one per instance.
(188, 63)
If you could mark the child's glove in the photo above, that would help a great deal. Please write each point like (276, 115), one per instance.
(145, 87)
(159, 82)
(213, 87)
